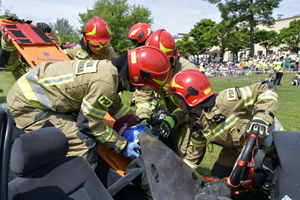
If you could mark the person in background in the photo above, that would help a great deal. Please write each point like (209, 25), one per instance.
(278, 68)
(295, 80)
(287, 65)
(297, 59)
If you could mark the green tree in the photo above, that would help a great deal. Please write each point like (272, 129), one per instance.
(186, 45)
(8, 14)
(247, 14)
(291, 36)
(65, 31)
(204, 35)
(267, 39)
(120, 16)
(223, 31)
(238, 41)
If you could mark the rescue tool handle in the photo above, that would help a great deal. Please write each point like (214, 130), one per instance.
(235, 175)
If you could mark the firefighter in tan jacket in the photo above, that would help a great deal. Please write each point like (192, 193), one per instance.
(10, 56)
(95, 44)
(225, 119)
(48, 93)
(148, 100)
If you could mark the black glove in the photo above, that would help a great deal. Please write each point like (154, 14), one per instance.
(146, 120)
(132, 102)
(259, 128)
(45, 27)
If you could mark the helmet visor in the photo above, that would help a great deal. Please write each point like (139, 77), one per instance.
(98, 45)
(179, 101)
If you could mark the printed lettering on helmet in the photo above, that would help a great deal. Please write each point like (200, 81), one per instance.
(84, 67)
(231, 94)
(105, 101)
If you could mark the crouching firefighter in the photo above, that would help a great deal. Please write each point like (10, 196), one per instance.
(225, 119)
(48, 93)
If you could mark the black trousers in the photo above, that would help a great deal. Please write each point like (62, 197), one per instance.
(279, 75)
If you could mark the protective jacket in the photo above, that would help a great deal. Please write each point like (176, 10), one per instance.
(279, 66)
(147, 101)
(224, 122)
(89, 88)
(81, 52)
(9, 56)
(202, 68)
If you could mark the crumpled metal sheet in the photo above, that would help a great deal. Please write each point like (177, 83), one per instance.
(169, 176)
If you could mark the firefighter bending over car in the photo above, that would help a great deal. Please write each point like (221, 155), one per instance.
(48, 93)
(95, 44)
(224, 119)
(148, 101)
(10, 56)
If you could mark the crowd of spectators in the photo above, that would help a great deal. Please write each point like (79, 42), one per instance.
(245, 65)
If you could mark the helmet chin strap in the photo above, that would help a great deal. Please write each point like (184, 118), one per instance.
(187, 114)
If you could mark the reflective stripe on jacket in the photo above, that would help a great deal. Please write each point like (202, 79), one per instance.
(85, 87)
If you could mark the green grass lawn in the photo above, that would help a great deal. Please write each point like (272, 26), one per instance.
(288, 109)
(6, 81)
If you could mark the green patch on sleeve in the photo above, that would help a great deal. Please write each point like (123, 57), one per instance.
(105, 101)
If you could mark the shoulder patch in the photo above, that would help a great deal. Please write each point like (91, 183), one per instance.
(231, 94)
(105, 101)
(86, 66)
(81, 55)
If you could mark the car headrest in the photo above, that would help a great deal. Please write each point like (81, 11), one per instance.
(37, 148)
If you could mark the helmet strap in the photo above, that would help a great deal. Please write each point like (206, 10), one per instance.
(127, 84)
(187, 114)
(187, 118)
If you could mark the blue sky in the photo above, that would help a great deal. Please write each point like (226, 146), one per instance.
(176, 16)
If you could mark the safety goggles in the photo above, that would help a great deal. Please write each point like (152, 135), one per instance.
(98, 45)
(178, 100)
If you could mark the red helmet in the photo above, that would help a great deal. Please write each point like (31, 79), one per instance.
(165, 42)
(139, 32)
(193, 87)
(97, 30)
(148, 66)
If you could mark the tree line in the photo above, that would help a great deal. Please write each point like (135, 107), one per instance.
(236, 32)
(207, 34)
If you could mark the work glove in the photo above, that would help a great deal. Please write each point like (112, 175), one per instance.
(132, 102)
(145, 120)
(166, 124)
(258, 127)
(131, 150)
(45, 27)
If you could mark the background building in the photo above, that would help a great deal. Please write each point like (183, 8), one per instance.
(258, 50)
